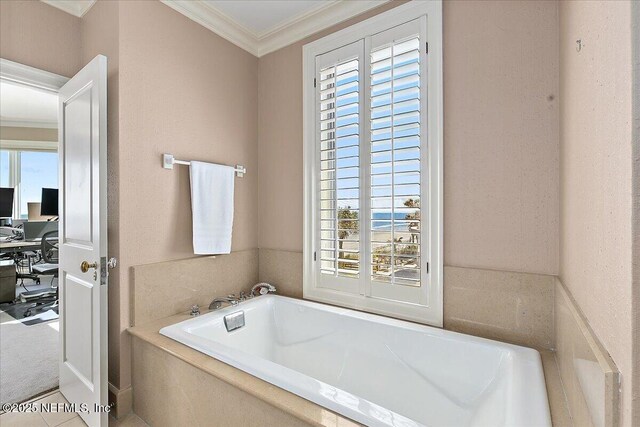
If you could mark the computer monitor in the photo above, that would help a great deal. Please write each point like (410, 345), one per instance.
(49, 203)
(6, 202)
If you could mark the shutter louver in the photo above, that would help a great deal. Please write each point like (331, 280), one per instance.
(339, 169)
(395, 162)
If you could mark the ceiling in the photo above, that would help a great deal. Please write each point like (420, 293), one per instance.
(263, 17)
(75, 7)
(257, 26)
(24, 106)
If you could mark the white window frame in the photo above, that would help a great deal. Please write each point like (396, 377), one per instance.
(429, 309)
(15, 150)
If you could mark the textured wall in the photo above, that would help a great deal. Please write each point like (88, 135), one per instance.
(500, 139)
(100, 36)
(39, 35)
(186, 91)
(596, 136)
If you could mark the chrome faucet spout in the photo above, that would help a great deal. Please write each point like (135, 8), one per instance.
(217, 302)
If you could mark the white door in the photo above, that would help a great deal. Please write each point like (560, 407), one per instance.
(83, 239)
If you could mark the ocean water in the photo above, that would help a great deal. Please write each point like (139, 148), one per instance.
(380, 221)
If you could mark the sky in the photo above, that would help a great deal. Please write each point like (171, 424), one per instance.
(37, 170)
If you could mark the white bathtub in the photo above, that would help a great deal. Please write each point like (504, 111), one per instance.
(375, 370)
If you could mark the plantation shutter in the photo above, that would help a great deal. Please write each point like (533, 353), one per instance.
(398, 145)
(372, 166)
(339, 121)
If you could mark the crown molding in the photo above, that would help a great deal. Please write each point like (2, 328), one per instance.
(313, 22)
(216, 21)
(74, 7)
(259, 44)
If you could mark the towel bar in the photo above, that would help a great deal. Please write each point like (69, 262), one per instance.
(168, 161)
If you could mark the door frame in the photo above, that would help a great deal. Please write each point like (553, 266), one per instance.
(25, 75)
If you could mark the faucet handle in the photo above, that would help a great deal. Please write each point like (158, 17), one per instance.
(195, 310)
(263, 289)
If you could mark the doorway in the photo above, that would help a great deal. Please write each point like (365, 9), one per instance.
(29, 325)
(65, 236)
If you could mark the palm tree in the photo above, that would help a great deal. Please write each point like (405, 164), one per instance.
(413, 217)
(347, 225)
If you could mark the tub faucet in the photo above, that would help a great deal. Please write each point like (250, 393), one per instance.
(262, 289)
(217, 302)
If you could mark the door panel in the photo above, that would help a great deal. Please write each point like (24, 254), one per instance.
(76, 353)
(83, 238)
(78, 182)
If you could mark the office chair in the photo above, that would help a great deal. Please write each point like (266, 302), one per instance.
(46, 298)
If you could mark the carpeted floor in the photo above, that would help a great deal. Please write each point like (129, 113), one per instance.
(28, 358)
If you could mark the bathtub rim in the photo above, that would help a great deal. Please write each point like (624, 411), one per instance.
(280, 398)
(528, 365)
(291, 403)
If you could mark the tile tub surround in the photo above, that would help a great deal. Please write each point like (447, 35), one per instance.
(506, 306)
(283, 269)
(157, 399)
(512, 307)
(165, 288)
(589, 375)
(200, 390)
(558, 405)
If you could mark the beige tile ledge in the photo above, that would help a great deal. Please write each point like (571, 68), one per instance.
(295, 405)
(298, 407)
(558, 405)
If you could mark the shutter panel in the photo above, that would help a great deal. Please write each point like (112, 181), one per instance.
(396, 109)
(339, 121)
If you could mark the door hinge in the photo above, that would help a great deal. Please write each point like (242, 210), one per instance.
(427, 268)
(314, 256)
(426, 47)
(314, 82)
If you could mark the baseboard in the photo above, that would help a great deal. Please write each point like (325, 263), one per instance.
(121, 401)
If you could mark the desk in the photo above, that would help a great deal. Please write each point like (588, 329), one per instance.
(19, 246)
(7, 281)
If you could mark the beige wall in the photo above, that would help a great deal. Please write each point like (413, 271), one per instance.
(155, 55)
(186, 91)
(39, 35)
(635, 294)
(595, 136)
(100, 35)
(500, 139)
(14, 133)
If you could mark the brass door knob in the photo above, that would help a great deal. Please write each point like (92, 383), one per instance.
(85, 266)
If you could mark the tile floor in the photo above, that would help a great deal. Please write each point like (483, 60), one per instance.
(58, 419)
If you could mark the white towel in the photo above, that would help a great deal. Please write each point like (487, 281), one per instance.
(211, 207)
